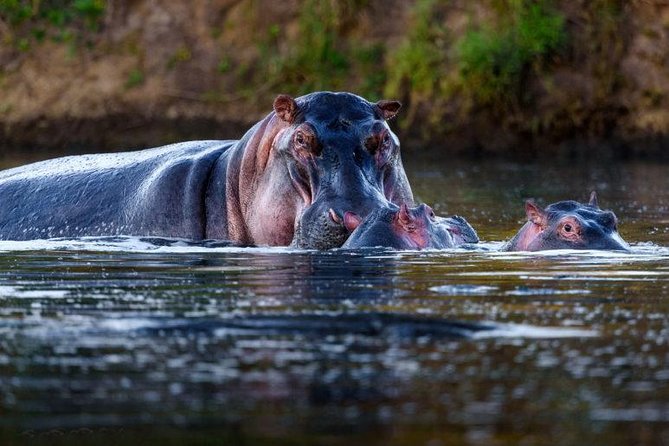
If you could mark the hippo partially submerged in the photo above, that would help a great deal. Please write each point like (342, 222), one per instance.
(408, 228)
(567, 225)
(289, 180)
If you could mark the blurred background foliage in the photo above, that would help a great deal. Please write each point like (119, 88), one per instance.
(494, 76)
(30, 22)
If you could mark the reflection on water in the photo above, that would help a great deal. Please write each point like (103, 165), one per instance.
(170, 342)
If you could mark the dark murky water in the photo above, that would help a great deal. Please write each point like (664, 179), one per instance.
(110, 340)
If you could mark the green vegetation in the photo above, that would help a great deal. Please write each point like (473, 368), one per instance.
(59, 20)
(315, 61)
(135, 79)
(420, 61)
(318, 61)
(493, 60)
(524, 67)
(602, 37)
(182, 54)
(224, 65)
(418, 71)
(323, 56)
(486, 67)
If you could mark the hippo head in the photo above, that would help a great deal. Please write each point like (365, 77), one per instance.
(342, 159)
(568, 225)
(458, 229)
(410, 228)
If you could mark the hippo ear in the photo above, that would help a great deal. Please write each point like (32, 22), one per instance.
(285, 108)
(593, 200)
(388, 108)
(535, 214)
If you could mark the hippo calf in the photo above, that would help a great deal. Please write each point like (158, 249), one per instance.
(567, 225)
(408, 228)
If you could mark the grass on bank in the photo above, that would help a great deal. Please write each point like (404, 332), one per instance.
(30, 22)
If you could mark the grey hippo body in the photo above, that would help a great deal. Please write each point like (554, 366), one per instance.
(163, 191)
(568, 225)
(289, 180)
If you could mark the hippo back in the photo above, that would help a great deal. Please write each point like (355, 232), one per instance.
(151, 192)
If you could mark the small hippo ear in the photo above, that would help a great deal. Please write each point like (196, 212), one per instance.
(388, 108)
(535, 214)
(285, 108)
(593, 200)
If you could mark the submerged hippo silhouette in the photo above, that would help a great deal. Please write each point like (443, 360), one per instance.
(405, 228)
(289, 180)
(567, 225)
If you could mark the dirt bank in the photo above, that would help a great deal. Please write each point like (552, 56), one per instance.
(147, 72)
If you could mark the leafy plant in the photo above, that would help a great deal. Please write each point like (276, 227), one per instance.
(16, 11)
(493, 59)
(135, 79)
(323, 56)
(182, 54)
(315, 62)
(415, 68)
(61, 20)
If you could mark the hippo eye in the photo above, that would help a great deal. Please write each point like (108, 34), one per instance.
(357, 156)
(305, 141)
(299, 138)
(385, 142)
(570, 229)
(379, 142)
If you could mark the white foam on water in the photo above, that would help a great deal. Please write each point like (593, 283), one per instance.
(130, 244)
(464, 290)
(641, 252)
(645, 414)
(10, 292)
(127, 324)
(533, 332)
(544, 291)
(78, 244)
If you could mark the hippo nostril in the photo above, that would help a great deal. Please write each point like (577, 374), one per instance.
(334, 216)
(351, 221)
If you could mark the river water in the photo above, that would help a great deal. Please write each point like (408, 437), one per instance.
(109, 340)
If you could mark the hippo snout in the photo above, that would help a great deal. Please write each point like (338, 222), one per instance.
(459, 228)
(410, 228)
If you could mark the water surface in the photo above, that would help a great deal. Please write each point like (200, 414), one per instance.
(149, 341)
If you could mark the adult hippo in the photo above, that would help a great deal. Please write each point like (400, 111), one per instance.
(567, 225)
(408, 228)
(290, 179)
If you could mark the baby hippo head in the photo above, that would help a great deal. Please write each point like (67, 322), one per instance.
(409, 228)
(568, 225)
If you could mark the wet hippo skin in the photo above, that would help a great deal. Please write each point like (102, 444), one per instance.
(568, 225)
(410, 228)
(289, 180)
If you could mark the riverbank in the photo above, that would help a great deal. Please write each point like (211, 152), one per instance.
(513, 78)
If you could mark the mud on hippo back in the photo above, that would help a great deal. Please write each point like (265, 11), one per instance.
(408, 228)
(567, 225)
(290, 179)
